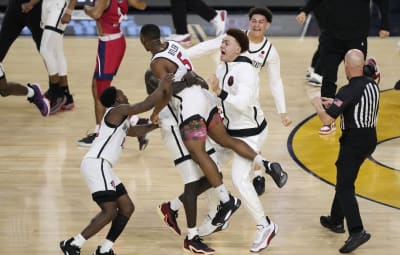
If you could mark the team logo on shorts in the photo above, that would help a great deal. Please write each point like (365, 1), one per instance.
(113, 184)
(230, 80)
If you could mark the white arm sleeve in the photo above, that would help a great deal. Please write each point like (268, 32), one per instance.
(205, 47)
(273, 66)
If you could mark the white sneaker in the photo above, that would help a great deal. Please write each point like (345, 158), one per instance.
(219, 22)
(327, 129)
(185, 40)
(315, 79)
(264, 236)
(207, 228)
(309, 71)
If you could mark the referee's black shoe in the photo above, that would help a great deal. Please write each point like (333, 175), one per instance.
(275, 171)
(397, 85)
(326, 221)
(259, 184)
(354, 241)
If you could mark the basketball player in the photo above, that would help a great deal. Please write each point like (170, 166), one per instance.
(97, 168)
(198, 117)
(52, 51)
(193, 178)
(236, 86)
(262, 54)
(31, 91)
(110, 51)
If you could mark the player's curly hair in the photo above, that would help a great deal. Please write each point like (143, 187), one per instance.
(108, 96)
(240, 37)
(264, 11)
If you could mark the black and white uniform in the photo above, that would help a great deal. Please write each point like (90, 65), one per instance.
(190, 101)
(357, 104)
(171, 137)
(97, 164)
(52, 46)
(244, 119)
(170, 117)
(262, 54)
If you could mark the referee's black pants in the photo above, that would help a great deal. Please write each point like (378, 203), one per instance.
(332, 53)
(354, 149)
(13, 23)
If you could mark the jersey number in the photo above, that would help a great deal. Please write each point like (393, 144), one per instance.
(185, 61)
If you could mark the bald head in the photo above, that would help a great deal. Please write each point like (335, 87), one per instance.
(354, 63)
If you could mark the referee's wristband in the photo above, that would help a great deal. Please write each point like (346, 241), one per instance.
(68, 11)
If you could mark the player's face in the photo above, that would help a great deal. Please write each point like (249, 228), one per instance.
(258, 25)
(143, 41)
(230, 49)
(121, 98)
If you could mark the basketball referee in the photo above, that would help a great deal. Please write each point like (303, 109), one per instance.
(20, 13)
(357, 104)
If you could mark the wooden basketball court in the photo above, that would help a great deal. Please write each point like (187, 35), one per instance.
(44, 199)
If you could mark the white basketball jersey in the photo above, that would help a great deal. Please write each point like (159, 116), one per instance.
(109, 141)
(176, 54)
(258, 53)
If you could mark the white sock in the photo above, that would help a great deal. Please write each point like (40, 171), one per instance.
(259, 160)
(258, 172)
(176, 204)
(106, 246)
(79, 240)
(192, 232)
(31, 92)
(97, 128)
(223, 193)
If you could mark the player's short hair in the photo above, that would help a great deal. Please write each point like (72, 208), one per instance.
(150, 31)
(262, 11)
(240, 37)
(108, 96)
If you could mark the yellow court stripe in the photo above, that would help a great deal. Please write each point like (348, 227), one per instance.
(317, 154)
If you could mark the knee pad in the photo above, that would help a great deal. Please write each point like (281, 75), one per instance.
(193, 128)
(101, 85)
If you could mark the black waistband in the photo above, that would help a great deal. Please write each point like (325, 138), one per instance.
(247, 131)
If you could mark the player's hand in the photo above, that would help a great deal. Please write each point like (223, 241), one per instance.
(138, 4)
(326, 102)
(286, 121)
(213, 83)
(154, 118)
(384, 33)
(301, 18)
(26, 7)
(66, 18)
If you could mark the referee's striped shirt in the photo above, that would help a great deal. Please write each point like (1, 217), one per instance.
(357, 103)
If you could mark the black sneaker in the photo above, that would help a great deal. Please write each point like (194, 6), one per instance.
(259, 184)
(69, 103)
(69, 249)
(56, 103)
(275, 171)
(354, 241)
(87, 140)
(196, 246)
(326, 221)
(225, 211)
(97, 252)
(397, 85)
